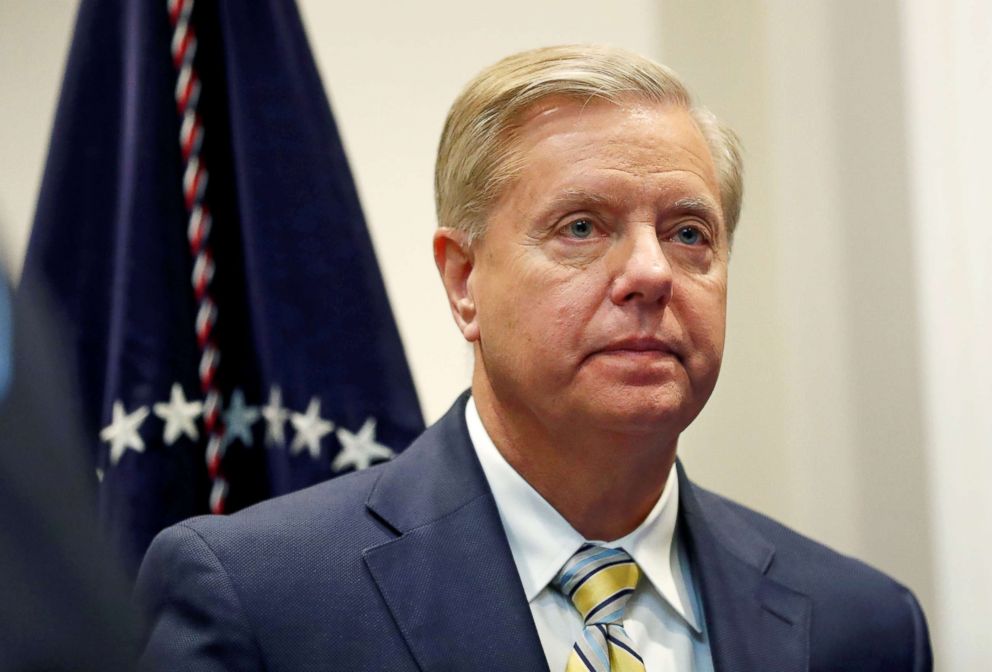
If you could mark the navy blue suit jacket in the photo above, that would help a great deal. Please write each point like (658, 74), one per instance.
(405, 566)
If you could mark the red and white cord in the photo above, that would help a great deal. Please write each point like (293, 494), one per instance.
(195, 177)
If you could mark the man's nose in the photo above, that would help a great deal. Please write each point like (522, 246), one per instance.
(644, 274)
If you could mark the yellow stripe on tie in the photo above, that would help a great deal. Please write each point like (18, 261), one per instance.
(575, 664)
(622, 661)
(601, 585)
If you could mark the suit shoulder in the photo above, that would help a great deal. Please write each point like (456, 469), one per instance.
(331, 502)
(290, 526)
(852, 602)
(217, 586)
(796, 552)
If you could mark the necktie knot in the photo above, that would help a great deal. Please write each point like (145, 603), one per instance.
(599, 581)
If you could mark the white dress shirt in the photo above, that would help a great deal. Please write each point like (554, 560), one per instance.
(663, 617)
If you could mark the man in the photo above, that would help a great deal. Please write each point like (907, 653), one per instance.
(586, 213)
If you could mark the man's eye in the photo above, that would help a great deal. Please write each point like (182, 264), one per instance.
(689, 235)
(580, 228)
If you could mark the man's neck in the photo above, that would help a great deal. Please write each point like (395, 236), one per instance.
(603, 483)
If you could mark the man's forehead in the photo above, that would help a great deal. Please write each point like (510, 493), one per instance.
(638, 136)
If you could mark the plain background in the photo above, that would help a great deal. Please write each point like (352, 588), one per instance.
(855, 402)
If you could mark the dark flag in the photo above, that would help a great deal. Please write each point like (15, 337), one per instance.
(199, 231)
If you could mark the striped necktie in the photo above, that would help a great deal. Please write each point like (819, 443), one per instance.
(599, 581)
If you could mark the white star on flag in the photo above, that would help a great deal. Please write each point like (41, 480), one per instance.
(179, 415)
(238, 419)
(358, 450)
(275, 418)
(122, 432)
(310, 429)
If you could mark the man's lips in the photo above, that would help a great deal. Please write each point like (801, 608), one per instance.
(638, 346)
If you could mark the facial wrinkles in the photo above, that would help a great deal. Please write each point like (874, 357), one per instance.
(639, 175)
(557, 122)
(656, 145)
(634, 211)
(633, 192)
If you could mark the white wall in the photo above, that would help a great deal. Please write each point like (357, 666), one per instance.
(34, 41)
(853, 401)
(947, 50)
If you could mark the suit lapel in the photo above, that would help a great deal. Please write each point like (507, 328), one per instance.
(754, 623)
(449, 579)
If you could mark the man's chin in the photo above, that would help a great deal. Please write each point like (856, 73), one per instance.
(640, 413)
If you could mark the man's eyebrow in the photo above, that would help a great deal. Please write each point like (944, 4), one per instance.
(578, 196)
(703, 207)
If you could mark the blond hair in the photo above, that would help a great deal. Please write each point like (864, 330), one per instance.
(475, 159)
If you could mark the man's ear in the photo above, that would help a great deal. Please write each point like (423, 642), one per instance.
(455, 261)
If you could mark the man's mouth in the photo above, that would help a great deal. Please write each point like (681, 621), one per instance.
(640, 347)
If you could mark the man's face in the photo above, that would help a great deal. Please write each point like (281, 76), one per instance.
(599, 288)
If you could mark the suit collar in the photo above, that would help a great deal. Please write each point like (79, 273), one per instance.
(449, 579)
(706, 512)
(753, 622)
(435, 476)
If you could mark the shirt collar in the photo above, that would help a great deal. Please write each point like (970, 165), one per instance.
(541, 540)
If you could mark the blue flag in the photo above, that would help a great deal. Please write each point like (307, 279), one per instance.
(201, 235)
